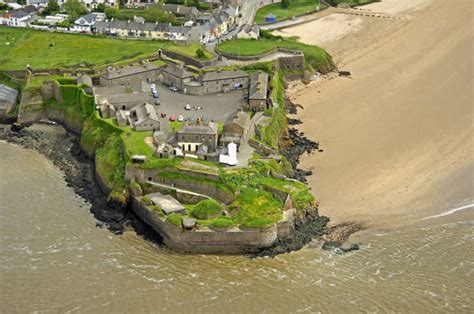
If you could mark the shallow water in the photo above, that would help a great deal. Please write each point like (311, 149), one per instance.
(53, 258)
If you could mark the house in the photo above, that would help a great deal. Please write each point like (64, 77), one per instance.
(85, 22)
(176, 76)
(236, 129)
(191, 137)
(20, 17)
(8, 98)
(122, 117)
(53, 19)
(124, 101)
(107, 111)
(92, 4)
(224, 81)
(144, 118)
(258, 89)
(131, 76)
(189, 13)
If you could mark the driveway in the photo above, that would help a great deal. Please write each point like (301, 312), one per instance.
(216, 107)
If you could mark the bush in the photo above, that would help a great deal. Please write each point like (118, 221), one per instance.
(175, 219)
(200, 53)
(206, 209)
(146, 199)
(222, 222)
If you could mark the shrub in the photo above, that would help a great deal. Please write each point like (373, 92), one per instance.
(222, 222)
(146, 199)
(206, 208)
(200, 53)
(175, 219)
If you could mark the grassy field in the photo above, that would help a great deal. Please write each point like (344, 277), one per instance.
(190, 50)
(296, 8)
(19, 47)
(319, 59)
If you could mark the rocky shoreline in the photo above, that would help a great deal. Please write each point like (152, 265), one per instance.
(62, 148)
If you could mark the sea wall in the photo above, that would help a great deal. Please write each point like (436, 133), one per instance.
(208, 241)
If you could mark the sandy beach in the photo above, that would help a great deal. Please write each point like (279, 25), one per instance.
(397, 136)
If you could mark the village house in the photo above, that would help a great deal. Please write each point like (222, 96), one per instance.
(258, 91)
(191, 137)
(236, 129)
(144, 118)
(91, 4)
(176, 76)
(85, 22)
(8, 98)
(107, 110)
(125, 101)
(131, 76)
(189, 13)
(20, 17)
(224, 81)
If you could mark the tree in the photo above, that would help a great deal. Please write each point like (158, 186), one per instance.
(51, 8)
(74, 9)
(111, 12)
(100, 7)
(200, 53)
(285, 3)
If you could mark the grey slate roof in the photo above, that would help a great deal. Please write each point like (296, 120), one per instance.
(210, 129)
(130, 97)
(258, 85)
(129, 71)
(222, 75)
(177, 72)
(143, 112)
(8, 94)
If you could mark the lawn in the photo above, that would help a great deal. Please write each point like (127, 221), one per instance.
(317, 57)
(296, 8)
(32, 47)
(190, 50)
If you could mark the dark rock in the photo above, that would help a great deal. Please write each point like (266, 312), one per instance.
(329, 245)
(65, 153)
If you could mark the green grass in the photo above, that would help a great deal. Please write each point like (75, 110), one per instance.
(222, 222)
(351, 2)
(257, 208)
(32, 47)
(190, 51)
(317, 57)
(296, 8)
(206, 209)
(175, 219)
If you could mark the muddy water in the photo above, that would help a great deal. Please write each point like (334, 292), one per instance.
(52, 258)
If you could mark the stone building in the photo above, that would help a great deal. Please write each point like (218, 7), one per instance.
(295, 62)
(236, 129)
(191, 137)
(144, 118)
(130, 76)
(258, 91)
(176, 76)
(224, 81)
(125, 101)
(8, 97)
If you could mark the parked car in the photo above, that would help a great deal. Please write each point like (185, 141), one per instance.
(163, 114)
(153, 86)
(157, 101)
(180, 118)
(172, 118)
(191, 119)
(155, 95)
(187, 107)
(173, 88)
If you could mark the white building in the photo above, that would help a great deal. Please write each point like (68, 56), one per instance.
(85, 23)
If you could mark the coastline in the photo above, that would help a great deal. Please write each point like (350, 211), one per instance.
(62, 148)
(406, 170)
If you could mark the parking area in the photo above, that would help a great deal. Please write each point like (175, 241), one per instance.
(215, 107)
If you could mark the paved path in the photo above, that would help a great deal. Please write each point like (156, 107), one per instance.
(166, 186)
(327, 12)
(245, 150)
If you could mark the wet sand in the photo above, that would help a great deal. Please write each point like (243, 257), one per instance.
(398, 136)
